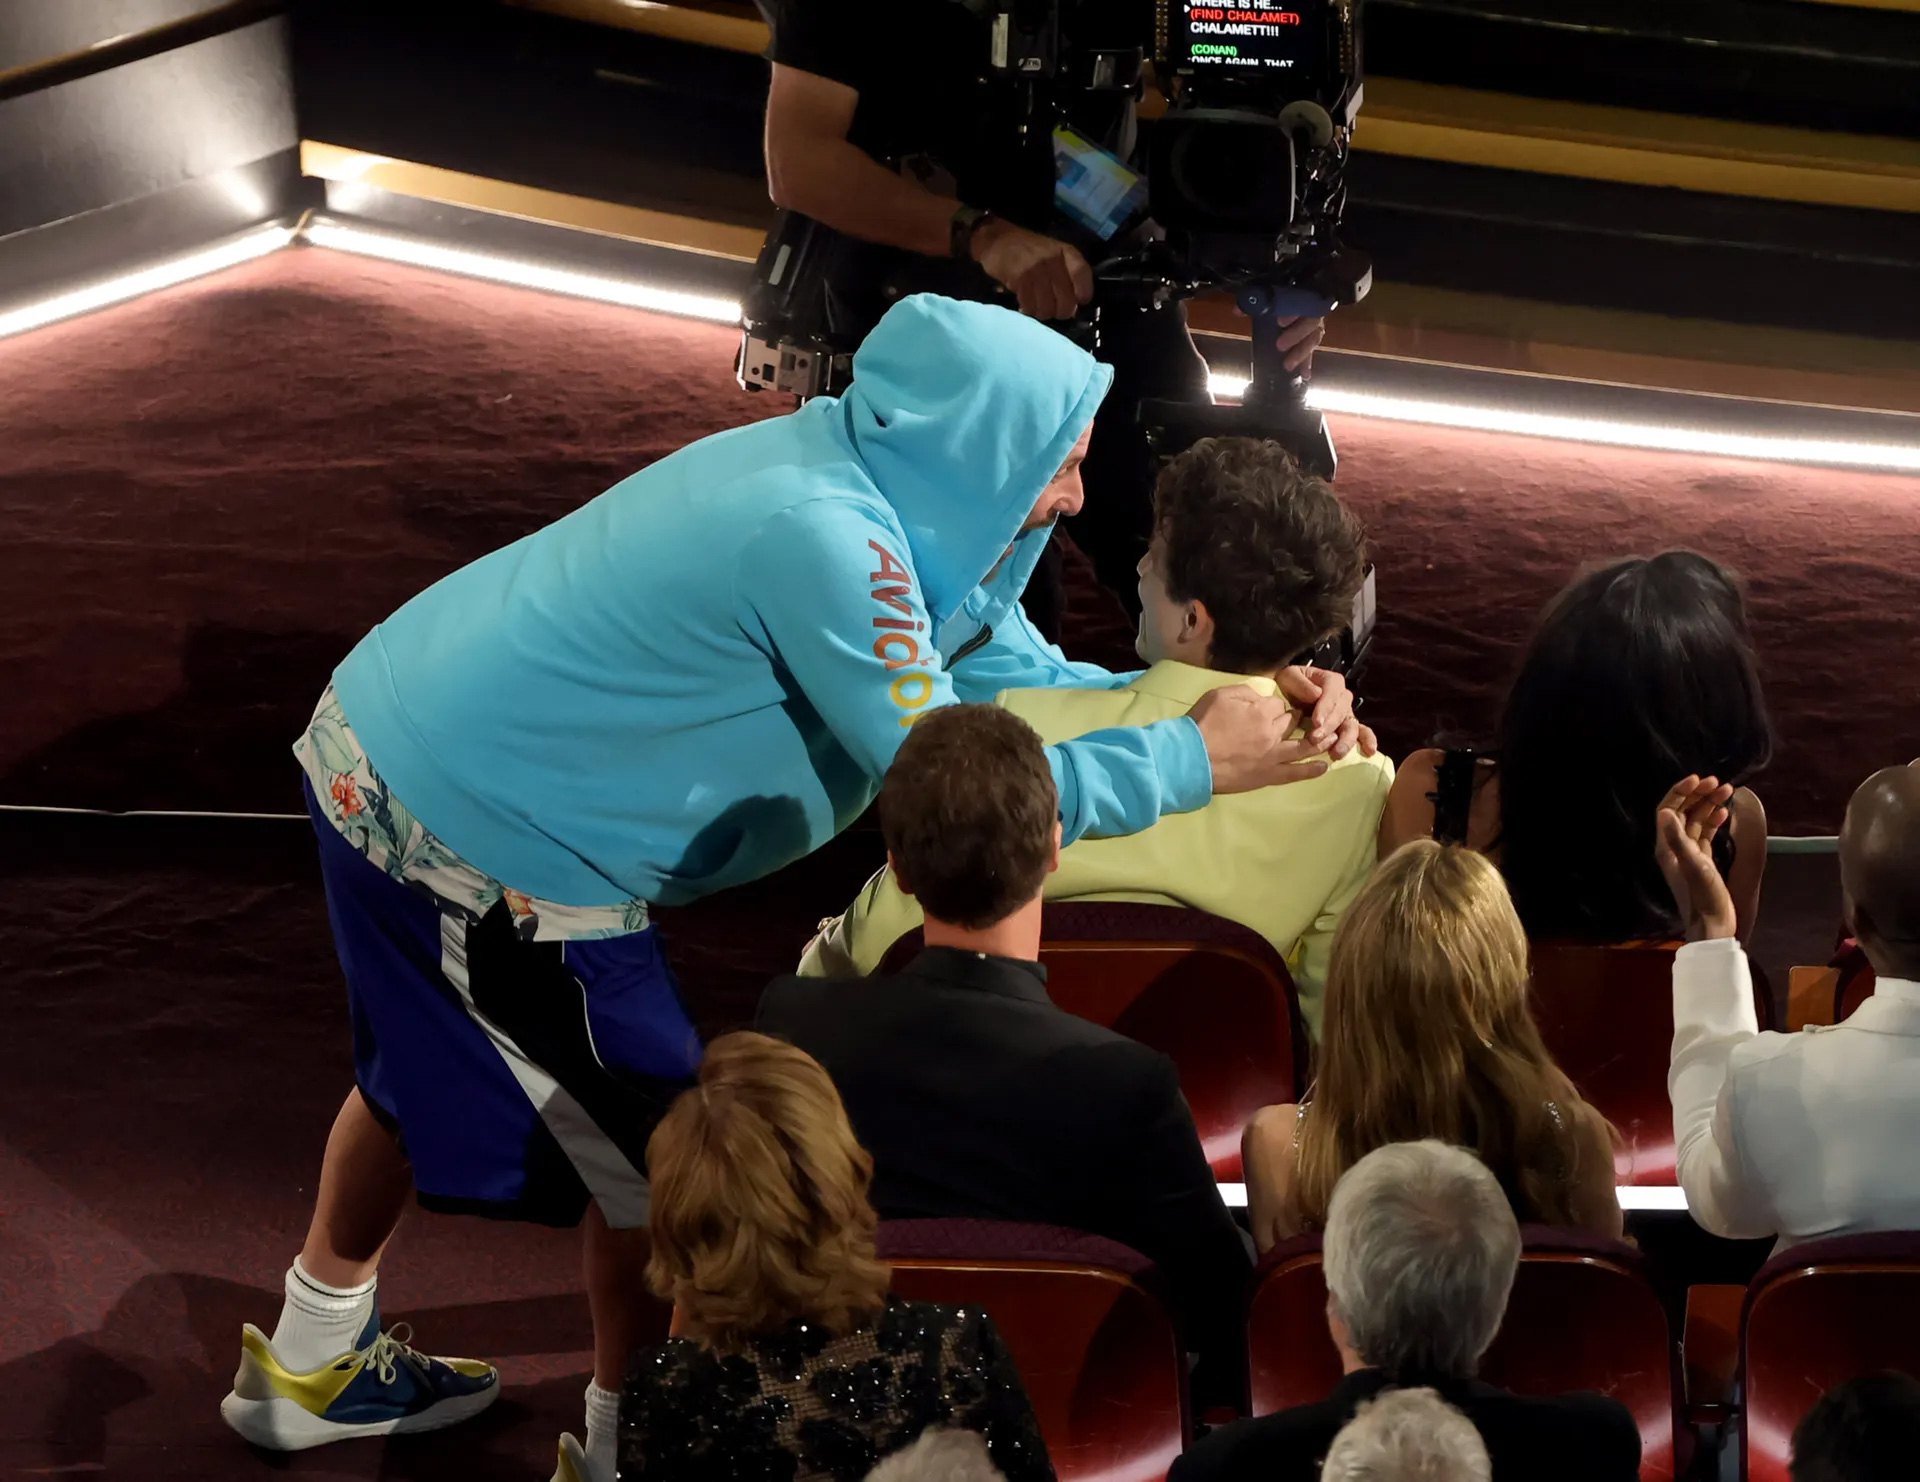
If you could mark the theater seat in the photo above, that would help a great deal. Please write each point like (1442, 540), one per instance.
(1211, 995)
(1583, 1315)
(1095, 1346)
(1606, 1014)
(1817, 1313)
(1855, 981)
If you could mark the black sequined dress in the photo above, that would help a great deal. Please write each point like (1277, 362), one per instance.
(806, 1405)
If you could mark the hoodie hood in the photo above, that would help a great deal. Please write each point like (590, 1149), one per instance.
(961, 414)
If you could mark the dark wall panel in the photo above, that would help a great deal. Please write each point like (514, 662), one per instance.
(145, 127)
(39, 30)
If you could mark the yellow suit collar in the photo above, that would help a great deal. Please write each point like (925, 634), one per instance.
(1184, 684)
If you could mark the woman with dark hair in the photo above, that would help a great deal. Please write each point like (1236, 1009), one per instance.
(1639, 673)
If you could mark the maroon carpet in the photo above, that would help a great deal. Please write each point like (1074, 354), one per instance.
(206, 497)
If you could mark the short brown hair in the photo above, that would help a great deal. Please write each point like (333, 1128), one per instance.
(760, 1209)
(1276, 558)
(968, 810)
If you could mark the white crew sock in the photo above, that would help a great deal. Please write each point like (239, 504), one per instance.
(320, 1322)
(603, 1432)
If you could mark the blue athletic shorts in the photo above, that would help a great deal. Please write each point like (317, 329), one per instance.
(522, 1078)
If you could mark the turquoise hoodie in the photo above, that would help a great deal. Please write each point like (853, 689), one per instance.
(701, 675)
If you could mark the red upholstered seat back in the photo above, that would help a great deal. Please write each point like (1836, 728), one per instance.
(1102, 1362)
(1818, 1313)
(1211, 995)
(1583, 1315)
(1606, 1014)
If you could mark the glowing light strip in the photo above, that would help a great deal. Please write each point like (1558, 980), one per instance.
(522, 274)
(1647, 435)
(718, 310)
(1631, 1196)
(145, 280)
(1652, 1196)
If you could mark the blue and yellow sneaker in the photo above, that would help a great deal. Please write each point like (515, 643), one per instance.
(381, 1388)
(572, 1466)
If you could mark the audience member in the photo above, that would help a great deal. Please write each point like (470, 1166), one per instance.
(1420, 1253)
(1428, 1034)
(1798, 1135)
(977, 1096)
(1639, 672)
(940, 1455)
(794, 1360)
(1253, 562)
(1407, 1435)
(1865, 1430)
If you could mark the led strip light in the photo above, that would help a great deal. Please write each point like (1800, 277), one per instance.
(146, 280)
(1652, 436)
(1631, 1196)
(630, 293)
(521, 274)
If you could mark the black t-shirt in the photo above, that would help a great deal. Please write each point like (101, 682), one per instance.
(919, 67)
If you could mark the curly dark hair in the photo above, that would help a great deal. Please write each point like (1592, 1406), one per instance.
(1276, 558)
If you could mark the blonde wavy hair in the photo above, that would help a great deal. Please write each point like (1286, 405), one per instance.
(760, 1208)
(1427, 1034)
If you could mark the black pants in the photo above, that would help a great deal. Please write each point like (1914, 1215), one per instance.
(1152, 355)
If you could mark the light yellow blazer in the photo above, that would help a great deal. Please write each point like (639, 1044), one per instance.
(1284, 861)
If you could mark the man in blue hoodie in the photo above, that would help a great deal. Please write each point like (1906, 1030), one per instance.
(689, 682)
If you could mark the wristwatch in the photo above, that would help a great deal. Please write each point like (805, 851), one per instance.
(960, 230)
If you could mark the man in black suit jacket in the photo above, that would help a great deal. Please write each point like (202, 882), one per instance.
(975, 1095)
(1420, 1253)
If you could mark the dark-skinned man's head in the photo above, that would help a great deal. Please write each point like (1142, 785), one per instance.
(1880, 870)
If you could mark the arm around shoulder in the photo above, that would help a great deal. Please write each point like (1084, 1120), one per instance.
(1016, 657)
(832, 593)
(1123, 779)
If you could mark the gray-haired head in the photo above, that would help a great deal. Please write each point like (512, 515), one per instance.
(940, 1455)
(1420, 1251)
(1407, 1435)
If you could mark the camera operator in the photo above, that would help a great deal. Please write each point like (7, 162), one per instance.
(879, 127)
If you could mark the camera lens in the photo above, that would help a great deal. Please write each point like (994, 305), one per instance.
(1229, 171)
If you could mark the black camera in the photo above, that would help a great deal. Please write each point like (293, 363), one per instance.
(1242, 188)
(1237, 186)
(1245, 176)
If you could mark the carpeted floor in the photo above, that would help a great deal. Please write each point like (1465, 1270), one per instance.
(207, 496)
(176, 1028)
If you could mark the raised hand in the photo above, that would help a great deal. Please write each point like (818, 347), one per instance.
(1692, 812)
